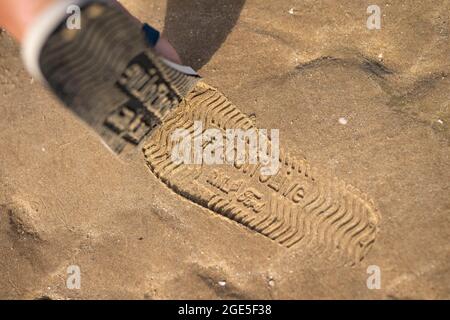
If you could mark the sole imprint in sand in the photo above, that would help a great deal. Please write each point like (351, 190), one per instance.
(298, 206)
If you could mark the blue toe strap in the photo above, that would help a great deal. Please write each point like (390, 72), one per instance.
(151, 34)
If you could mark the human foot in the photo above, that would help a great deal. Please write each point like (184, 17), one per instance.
(106, 72)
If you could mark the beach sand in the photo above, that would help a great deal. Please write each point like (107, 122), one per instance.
(369, 107)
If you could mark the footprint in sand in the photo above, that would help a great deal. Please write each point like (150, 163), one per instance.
(298, 206)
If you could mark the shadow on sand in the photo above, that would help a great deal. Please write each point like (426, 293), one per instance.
(197, 28)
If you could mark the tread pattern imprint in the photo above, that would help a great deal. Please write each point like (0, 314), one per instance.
(298, 206)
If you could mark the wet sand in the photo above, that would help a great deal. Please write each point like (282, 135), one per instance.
(301, 67)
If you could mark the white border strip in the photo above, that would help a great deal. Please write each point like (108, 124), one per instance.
(184, 69)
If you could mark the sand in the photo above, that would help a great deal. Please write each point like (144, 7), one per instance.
(369, 107)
